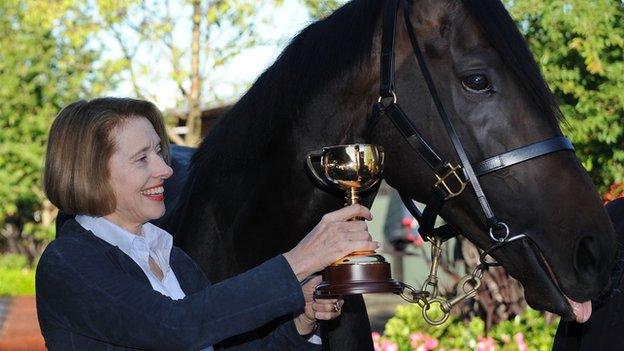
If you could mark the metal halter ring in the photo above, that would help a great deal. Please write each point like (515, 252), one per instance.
(394, 97)
(433, 320)
(503, 238)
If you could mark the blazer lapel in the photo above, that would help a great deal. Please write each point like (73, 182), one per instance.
(116, 255)
(127, 264)
(185, 280)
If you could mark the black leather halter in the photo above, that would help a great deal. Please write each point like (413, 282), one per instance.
(451, 180)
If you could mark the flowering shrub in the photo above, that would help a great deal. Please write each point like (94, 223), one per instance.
(616, 190)
(407, 331)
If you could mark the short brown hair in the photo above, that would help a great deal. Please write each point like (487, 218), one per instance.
(76, 175)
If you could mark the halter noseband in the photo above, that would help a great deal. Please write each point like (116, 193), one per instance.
(451, 180)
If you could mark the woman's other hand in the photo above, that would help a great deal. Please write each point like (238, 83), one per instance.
(321, 309)
(333, 238)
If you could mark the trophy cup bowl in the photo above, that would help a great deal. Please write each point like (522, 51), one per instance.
(354, 169)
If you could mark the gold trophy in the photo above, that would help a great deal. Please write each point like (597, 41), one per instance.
(353, 168)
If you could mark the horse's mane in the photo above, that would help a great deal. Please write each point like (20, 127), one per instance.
(326, 50)
(317, 57)
(239, 141)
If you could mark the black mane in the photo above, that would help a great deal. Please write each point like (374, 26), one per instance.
(329, 48)
(316, 57)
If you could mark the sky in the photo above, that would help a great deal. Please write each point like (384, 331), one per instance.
(234, 77)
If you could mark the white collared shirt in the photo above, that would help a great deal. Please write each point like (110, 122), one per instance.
(152, 241)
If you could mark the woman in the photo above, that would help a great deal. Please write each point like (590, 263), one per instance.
(113, 281)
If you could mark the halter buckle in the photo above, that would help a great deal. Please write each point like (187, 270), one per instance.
(442, 181)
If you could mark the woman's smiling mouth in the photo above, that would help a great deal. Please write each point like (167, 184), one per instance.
(155, 193)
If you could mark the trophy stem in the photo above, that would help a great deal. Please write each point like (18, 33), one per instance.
(354, 169)
(353, 197)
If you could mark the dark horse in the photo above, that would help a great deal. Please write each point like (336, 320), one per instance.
(248, 196)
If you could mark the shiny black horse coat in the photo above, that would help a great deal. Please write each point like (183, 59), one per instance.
(248, 196)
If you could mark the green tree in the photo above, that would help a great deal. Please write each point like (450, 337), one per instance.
(321, 8)
(193, 38)
(580, 46)
(52, 53)
(46, 62)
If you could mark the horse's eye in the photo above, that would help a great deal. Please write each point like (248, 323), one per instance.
(476, 83)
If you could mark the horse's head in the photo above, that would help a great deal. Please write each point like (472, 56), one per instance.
(493, 92)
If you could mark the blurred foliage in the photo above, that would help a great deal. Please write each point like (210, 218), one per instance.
(53, 53)
(17, 277)
(615, 191)
(14, 282)
(14, 261)
(580, 46)
(160, 33)
(46, 62)
(321, 8)
(529, 329)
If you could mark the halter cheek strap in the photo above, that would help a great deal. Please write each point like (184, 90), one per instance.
(450, 180)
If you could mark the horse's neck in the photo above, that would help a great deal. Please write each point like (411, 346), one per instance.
(277, 197)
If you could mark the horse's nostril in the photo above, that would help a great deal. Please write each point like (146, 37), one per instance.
(585, 260)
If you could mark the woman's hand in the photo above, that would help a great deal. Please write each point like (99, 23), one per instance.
(321, 309)
(333, 238)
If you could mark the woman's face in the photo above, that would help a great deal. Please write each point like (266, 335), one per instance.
(137, 171)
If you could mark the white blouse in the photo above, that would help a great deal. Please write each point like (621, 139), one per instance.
(152, 241)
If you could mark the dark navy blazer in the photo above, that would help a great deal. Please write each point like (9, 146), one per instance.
(92, 296)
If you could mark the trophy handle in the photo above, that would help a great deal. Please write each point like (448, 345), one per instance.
(310, 162)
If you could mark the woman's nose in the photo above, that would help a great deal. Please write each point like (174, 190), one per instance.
(163, 170)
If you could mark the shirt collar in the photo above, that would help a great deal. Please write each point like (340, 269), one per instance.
(154, 239)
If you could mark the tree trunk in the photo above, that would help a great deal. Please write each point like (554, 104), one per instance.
(193, 123)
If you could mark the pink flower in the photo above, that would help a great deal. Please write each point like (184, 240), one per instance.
(505, 338)
(423, 342)
(431, 344)
(389, 345)
(486, 344)
(520, 342)
(416, 338)
(382, 344)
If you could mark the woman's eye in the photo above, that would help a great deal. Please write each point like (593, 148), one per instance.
(477, 83)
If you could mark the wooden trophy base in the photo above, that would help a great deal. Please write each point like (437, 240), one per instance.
(357, 274)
